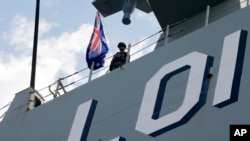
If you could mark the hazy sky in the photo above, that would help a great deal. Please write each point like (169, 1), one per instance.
(64, 33)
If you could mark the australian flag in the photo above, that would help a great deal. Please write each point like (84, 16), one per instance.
(97, 48)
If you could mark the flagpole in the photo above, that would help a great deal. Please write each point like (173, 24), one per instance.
(33, 68)
(91, 70)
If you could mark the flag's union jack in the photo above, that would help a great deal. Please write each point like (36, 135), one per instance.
(97, 48)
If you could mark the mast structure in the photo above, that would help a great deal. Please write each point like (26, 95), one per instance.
(34, 55)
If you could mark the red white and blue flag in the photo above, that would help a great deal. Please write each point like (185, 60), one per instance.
(97, 48)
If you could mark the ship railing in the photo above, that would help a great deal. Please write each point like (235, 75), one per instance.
(71, 81)
(137, 50)
(203, 19)
(3, 110)
(67, 83)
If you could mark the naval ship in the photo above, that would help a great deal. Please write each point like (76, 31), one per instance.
(192, 87)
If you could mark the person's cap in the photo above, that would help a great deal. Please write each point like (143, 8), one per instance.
(121, 44)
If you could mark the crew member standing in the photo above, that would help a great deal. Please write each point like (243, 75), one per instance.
(119, 58)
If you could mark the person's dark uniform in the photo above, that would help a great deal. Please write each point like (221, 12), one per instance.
(119, 58)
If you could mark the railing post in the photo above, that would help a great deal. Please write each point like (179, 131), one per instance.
(58, 87)
(128, 54)
(207, 15)
(61, 85)
(166, 34)
(91, 70)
